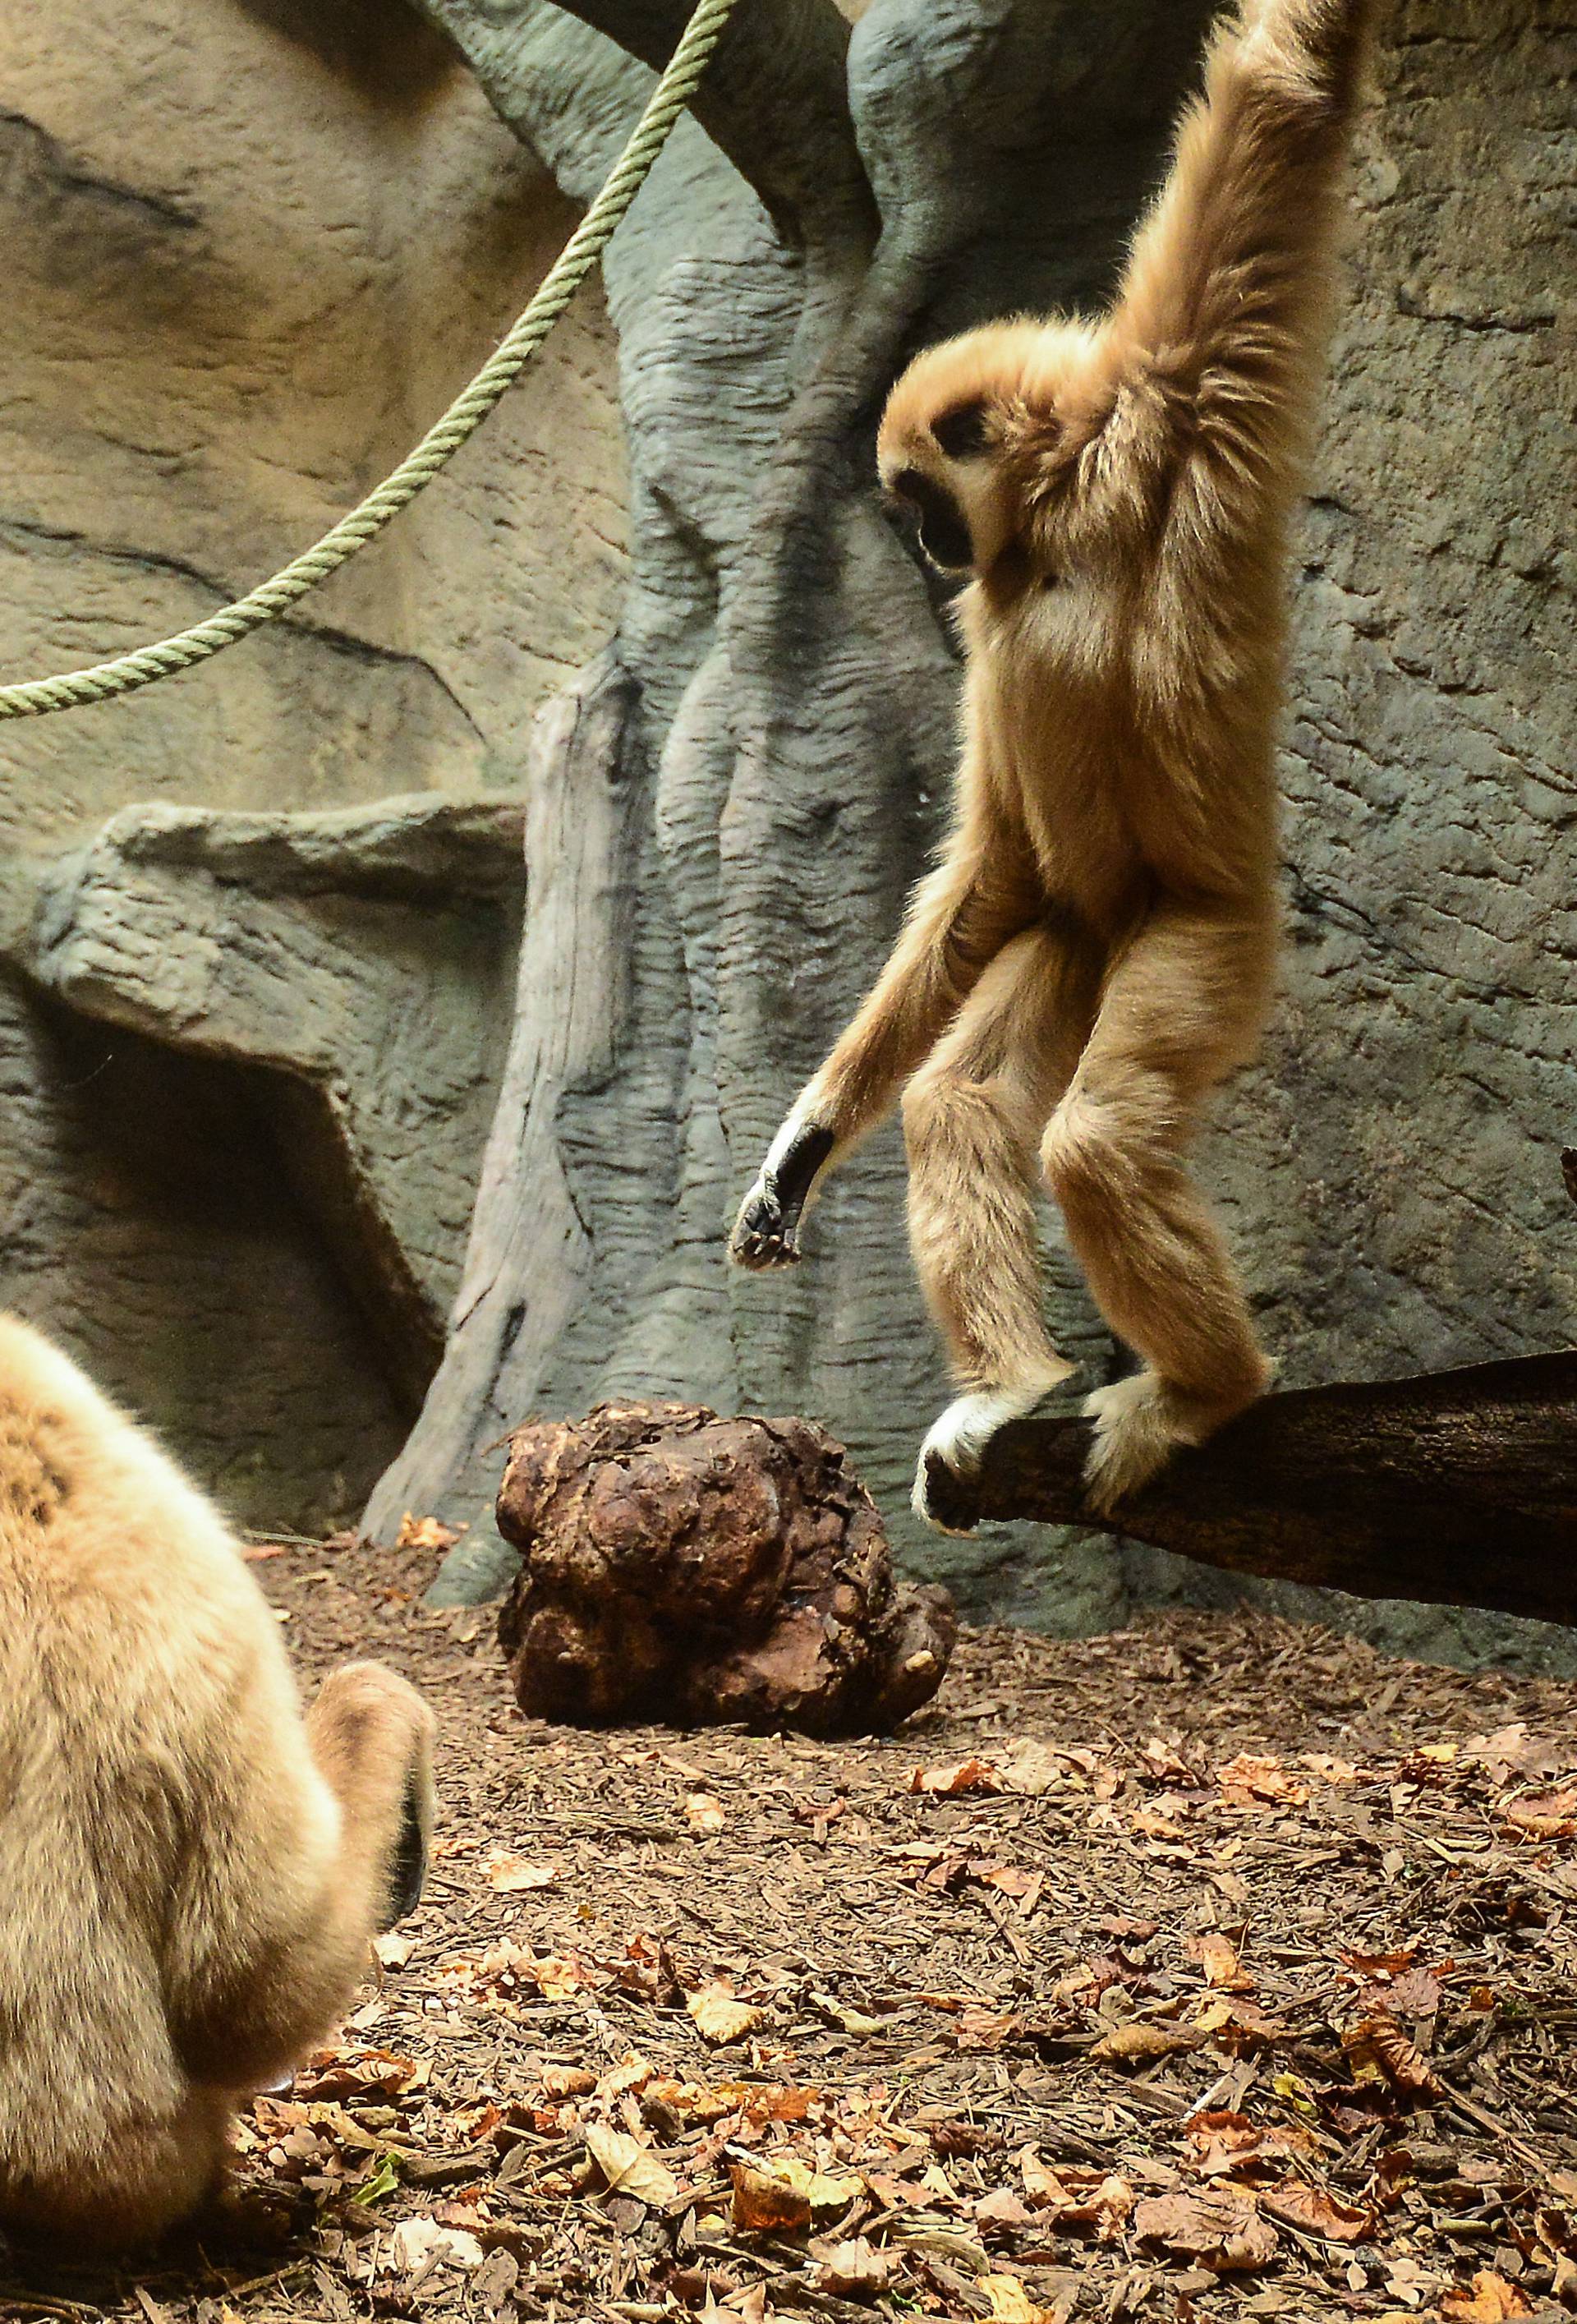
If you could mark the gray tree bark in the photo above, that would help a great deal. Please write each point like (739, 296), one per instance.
(782, 755)
(784, 765)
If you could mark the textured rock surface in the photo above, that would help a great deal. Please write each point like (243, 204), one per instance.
(362, 954)
(682, 1567)
(1390, 1165)
(252, 246)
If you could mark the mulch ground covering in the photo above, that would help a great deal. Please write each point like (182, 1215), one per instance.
(1218, 1967)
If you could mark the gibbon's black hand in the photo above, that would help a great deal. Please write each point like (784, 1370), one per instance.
(767, 1231)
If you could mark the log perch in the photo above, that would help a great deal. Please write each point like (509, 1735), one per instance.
(1459, 1487)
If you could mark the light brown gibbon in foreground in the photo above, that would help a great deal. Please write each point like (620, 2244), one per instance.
(190, 1872)
(1095, 949)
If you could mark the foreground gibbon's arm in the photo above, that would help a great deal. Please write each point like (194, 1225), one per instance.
(190, 1872)
(985, 891)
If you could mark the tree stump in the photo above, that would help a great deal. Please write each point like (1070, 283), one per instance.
(697, 1570)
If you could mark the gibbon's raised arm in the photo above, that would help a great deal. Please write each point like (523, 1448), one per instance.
(1226, 289)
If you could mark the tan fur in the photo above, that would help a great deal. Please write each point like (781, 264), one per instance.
(190, 1872)
(1096, 948)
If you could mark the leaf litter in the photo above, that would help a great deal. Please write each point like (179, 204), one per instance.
(1219, 1968)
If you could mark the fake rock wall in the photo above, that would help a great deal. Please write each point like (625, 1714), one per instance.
(252, 248)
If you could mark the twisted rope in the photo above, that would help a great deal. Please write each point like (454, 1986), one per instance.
(270, 598)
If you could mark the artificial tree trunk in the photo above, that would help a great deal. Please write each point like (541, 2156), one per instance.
(727, 814)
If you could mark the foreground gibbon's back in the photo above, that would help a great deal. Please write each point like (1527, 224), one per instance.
(190, 1872)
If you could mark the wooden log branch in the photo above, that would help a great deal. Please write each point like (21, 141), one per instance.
(1458, 1488)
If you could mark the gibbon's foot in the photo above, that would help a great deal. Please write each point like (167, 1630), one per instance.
(959, 1436)
(1139, 1422)
(766, 1233)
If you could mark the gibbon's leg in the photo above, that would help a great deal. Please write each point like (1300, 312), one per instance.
(972, 1117)
(371, 1736)
(1180, 1008)
(985, 891)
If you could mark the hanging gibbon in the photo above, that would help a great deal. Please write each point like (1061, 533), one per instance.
(190, 1871)
(1095, 949)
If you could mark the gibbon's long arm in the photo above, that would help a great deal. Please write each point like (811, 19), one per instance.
(1227, 287)
(985, 889)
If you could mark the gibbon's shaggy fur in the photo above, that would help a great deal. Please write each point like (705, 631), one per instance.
(190, 1873)
(1095, 949)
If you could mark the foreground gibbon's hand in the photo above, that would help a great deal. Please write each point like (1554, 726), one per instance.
(1095, 950)
(190, 1871)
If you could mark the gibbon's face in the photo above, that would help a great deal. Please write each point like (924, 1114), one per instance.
(972, 430)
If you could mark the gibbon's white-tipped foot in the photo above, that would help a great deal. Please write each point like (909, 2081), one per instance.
(958, 1437)
(766, 1233)
(1139, 1422)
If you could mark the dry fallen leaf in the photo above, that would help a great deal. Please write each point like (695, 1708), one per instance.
(1491, 2300)
(1317, 2213)
(1011, 2301)
(421, 2243)
(854, 2270)
(718, 2016)
(512, 1875)
(425, 1533)
(630, 2168)
(568, 2082)
(968, 1776)
(1252, 1781)
(1513, 1751)
(1543, 1815)
(1134, 2044)
(394, 1948)
(822, 2190)
(1330, 1770)
(1028, 1769)
(1218, 1957)
(1222, 2230)
(702, 1813)
(765, 2205)
(1378, 2051)
(851, 2020)
(1077, 2202)
(1219, 2142)
(356, 2073)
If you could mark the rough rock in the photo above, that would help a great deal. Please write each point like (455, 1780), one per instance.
(352, 969)
(253, 247)
(695, 1570)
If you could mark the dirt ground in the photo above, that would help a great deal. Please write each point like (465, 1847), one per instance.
(1215, 1968)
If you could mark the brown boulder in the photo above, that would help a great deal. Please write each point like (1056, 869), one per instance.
(683, 1568)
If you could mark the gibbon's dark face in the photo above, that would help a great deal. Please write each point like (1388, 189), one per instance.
(944, 535)
(959, 435)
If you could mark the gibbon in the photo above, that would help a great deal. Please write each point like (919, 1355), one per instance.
(1095, 949)
(190, 1872)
